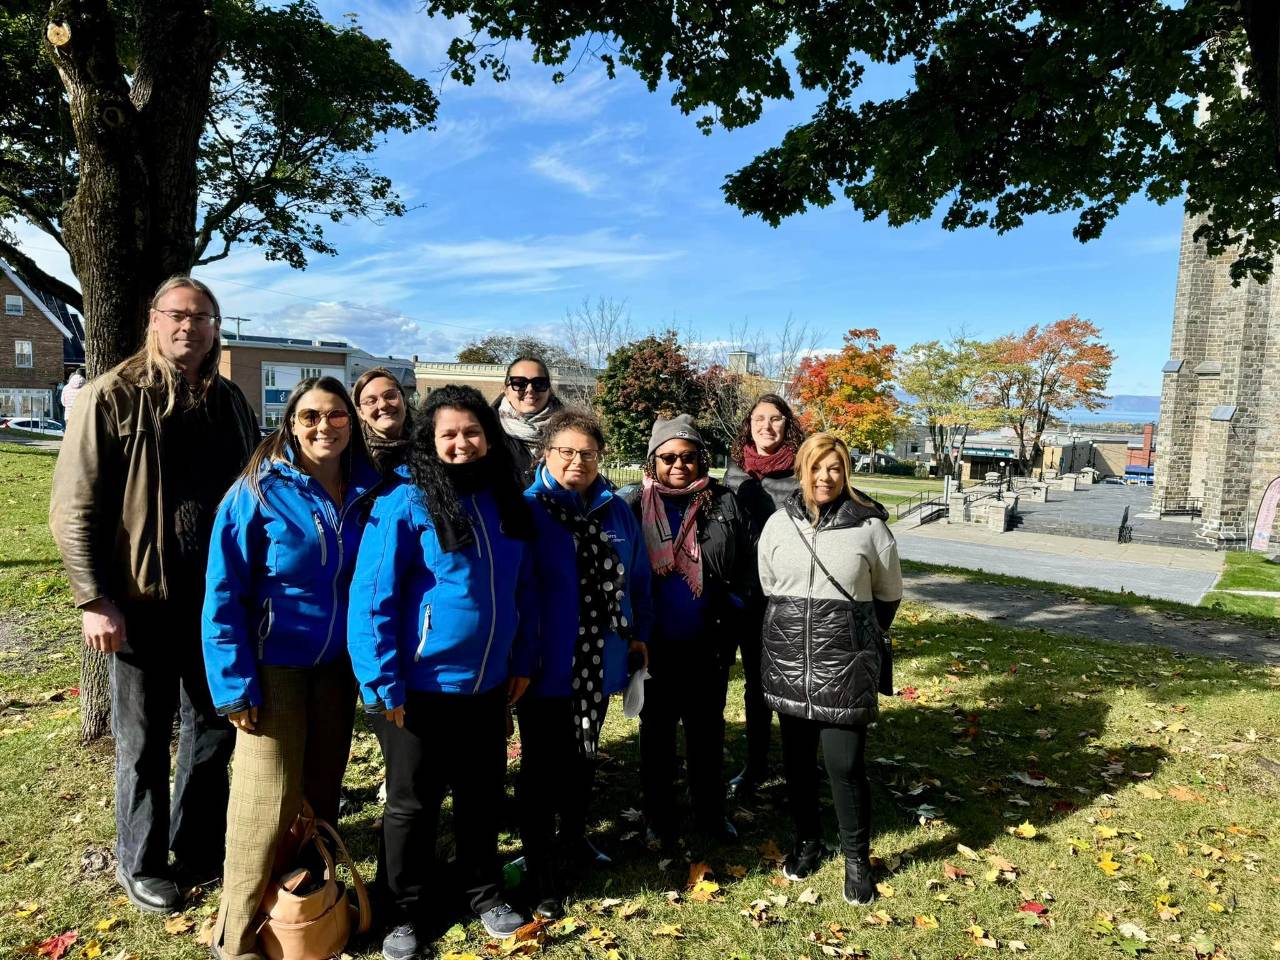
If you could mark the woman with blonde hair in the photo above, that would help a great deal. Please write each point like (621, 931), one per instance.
(829, 567)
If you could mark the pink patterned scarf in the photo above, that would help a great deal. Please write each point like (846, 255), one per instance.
(666, 552)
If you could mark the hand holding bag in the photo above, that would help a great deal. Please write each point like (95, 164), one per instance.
(314, 924)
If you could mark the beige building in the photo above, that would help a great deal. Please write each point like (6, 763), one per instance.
(268, 368)
(573, 385)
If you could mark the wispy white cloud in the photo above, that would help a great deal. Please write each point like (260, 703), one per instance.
(553, 165)
(603, 161)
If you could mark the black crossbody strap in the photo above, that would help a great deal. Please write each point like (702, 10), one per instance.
(821, 566)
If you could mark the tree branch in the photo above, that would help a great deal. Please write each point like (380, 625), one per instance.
(33, 276)
(32, 213)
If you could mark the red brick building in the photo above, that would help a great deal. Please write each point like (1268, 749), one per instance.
(31, 348)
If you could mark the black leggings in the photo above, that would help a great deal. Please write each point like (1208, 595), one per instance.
(843, 749)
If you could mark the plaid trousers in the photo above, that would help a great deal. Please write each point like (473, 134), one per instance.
(298, 749)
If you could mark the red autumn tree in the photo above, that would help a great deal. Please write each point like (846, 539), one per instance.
(850, 393)
(1046, 370)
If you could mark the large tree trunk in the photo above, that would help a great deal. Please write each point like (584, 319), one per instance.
(131, 222)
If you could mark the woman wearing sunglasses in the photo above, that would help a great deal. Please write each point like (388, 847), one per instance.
(525, 408)
(698, 547)
(593, 611)
(274, 632)
(441, 635)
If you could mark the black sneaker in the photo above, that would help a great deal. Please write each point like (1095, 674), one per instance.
(804, 860)
(502, 921)
(858, 888)
(401, 943)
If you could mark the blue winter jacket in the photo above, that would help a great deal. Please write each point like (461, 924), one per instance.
(557, 580)
(276, 583)
(422, 618)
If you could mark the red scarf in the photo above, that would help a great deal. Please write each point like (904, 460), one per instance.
(761, 465)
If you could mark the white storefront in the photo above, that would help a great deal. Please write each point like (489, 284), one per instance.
(279, 379)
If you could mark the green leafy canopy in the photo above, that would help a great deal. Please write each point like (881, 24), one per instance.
(1014, 107)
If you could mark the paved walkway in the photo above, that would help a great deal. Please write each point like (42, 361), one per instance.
(1150, 570)
(1036, 609)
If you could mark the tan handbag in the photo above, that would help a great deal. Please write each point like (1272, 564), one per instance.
(314, 924)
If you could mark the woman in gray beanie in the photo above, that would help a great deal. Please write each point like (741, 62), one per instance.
(699, 550)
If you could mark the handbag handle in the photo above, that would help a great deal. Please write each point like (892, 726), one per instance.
(362, 895)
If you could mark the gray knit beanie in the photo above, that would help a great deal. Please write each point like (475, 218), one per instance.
(677, 428)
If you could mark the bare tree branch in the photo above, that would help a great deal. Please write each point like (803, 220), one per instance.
(31, 273)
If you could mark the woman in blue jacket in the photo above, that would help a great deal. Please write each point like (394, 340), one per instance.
(593, 595)
(274, 630)
(440, 629)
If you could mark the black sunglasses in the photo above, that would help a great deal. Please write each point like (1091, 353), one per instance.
(689, 458)
(539, 384)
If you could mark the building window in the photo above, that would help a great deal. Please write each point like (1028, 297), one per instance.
(308, 372)
(22, 353)
(268, 376)
(12, 305)
(271, 416)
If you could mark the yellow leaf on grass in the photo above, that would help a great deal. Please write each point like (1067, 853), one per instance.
(925, 922)
(1217, 907)
(885, 890)
(1148, 791)
(92, 950)
(459, 956)
(26, 909)
(967, 852)
(704, 891)
(179, 923)
(1024, 830)
(668, 930)
(1105, 833)
(107, 924)
(1107, 864)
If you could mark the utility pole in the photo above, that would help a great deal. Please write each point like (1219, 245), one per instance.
(239, 320)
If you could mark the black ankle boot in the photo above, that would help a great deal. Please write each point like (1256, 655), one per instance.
(858, 888)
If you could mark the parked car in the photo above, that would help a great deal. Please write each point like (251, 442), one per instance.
(45, 425)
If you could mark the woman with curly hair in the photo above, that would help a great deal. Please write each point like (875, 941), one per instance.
(442, 643)
(761, 472)
(698, 548)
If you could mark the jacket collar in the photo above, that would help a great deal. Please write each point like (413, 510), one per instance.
(847, 513)
(363, 476)
(598, 494)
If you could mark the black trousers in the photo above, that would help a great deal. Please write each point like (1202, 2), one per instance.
(759, 716)
(688, 690)
(553, 789)
(157, 674)
(843, 750)
(449, 740)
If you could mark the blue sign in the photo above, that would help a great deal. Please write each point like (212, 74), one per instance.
(272, 395)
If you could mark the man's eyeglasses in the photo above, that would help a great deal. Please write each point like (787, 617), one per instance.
(311, 418)
(372, 400)
(568, 453)
(200, 319)
(520, 384)
(689, 458)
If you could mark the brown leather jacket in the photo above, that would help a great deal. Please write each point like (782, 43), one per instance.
(107, 506)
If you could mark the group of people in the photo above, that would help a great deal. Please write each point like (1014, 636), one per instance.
(456, 563)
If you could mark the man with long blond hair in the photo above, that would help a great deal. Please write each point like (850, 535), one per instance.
(154, 445)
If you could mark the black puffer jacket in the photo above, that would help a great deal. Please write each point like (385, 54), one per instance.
(759, 498)
(821, 657)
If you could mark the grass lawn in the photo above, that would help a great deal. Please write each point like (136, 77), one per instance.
(1070, 798)
(1246, 571)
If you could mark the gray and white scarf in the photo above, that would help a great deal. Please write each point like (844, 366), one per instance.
(527, 428)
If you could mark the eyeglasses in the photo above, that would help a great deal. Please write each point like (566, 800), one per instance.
(334, 418)
(200, 319)
(371, 401)
(688, 458)
(771, 421)
(568, 453)
(520, 384)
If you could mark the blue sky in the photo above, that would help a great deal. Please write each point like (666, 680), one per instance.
(535, 196)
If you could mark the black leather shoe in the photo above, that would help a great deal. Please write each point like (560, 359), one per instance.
(151, 894)
(858, 888)
(550, 907)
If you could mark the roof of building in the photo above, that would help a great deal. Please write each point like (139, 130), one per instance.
(35, 299)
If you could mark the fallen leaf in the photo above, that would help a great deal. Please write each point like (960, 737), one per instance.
(967, 852)
(885, 890)
(1148, 791)
(455, 934)
(91, 950)
(1132, 931)
(1107, 864)
(1185, 795)
(178, 924)
(25, 909)
(671, 930)
(1105, 833)
(107, 924)
(704, 891)
(769, 851)
(205, 935)
(459, 956)
(878, 918)
(1034, 906)
(809, 895)
(735, 870)
(925, 922)
(54, 947)
(698, 872)
(952, 872)
(1024, 831)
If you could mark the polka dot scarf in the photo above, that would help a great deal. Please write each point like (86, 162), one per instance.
(601, 586)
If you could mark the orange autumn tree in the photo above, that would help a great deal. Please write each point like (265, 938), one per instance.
(1042, 371)
(850, 393)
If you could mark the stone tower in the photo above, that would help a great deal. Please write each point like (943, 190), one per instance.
(1220, 403)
